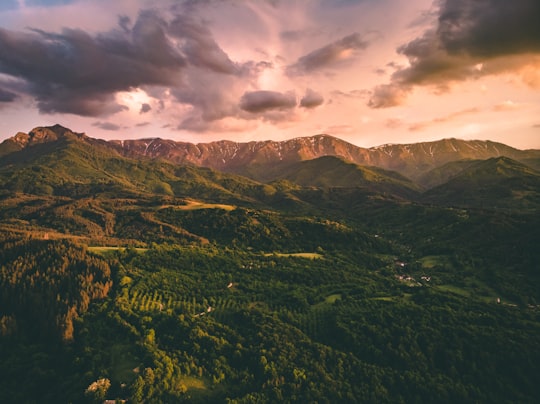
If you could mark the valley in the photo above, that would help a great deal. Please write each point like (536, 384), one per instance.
(309, 270)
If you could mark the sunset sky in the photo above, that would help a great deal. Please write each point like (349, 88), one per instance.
(367, 71)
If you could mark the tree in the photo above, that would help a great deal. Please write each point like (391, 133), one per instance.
(97, 391)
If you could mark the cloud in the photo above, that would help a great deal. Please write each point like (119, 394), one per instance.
(7, 96)
(351, 94)
(80, 73)
(300, 34)
(341, 50)
(388, 95)
(311, 99)
(393, 123)
(293, 35)
(145, 108)
(490, 27)
(228, 125)
(106, 126)
(199, 46)
(447, 118)
(263, 101)
(507, 105)
(142, 124)
(470, 39)
(75, 72)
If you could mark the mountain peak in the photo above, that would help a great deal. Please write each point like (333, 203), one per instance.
(44, 134)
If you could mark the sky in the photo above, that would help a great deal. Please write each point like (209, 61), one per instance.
(370, 72)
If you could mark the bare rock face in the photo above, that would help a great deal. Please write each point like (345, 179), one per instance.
(43, 134)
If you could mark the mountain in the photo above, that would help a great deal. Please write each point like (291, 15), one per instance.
(498, 182)
(259, 159)
(332, 172)
(56, 161)
(440, 175)
(413, 160)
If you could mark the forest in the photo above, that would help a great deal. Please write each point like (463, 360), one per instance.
(246, 318)
(145, 282)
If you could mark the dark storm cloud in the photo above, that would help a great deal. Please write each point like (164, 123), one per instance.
(328, 55)
(468, 41)
(75, 72)
(200, 47)
(124, 22)
(311, 99)
(490, 27)
(214, 96)
(263, 101)
(7, 96)
(145, 108)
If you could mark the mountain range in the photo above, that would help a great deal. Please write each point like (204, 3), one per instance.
(262, 160)
(56, 160)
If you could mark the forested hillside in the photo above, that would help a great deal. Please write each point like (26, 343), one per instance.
(148, 281)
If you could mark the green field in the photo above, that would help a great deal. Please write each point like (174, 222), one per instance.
(195, 205)
(105, 249)
(432, 261)
(333, 298)
(307, 255)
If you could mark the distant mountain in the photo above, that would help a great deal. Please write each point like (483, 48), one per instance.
(498, 182)
(255, 159)
(413, 160)
(440, 175)
(331, 172)
(261, 160)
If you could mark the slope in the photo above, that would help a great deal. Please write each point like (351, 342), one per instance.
(494, 183)
(334, 172)
(55, 161)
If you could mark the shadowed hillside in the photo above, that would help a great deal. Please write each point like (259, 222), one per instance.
(494, 183)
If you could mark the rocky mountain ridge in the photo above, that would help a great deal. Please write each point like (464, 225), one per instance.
(257, 158)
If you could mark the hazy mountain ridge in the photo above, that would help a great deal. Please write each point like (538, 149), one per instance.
(257, 159)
